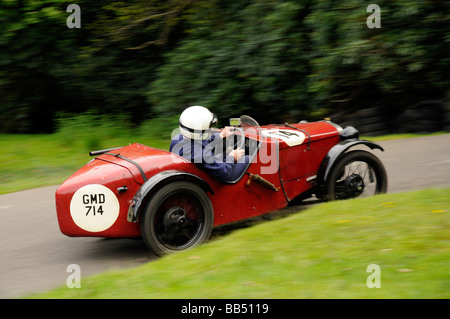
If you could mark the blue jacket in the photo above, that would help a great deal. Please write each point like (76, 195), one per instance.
(202, 154)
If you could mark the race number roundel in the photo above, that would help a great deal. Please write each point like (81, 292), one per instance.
(94, 208)
(290, 137)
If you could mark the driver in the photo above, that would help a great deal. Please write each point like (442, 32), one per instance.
(197, 144)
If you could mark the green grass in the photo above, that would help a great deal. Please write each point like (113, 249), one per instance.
(30, 161)
(399, 136)
(321, 252)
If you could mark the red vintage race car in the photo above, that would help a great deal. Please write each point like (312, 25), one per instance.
(140, 191)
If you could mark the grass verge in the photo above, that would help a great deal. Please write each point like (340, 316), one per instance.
(389, 137)
(30, 161)
(322, 252)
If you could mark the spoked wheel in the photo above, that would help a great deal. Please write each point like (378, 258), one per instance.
(357, 174)
(178, 217)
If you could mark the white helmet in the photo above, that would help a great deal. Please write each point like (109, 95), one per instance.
(196, 122)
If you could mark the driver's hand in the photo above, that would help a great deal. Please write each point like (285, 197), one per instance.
(227, 131)
(237, 154)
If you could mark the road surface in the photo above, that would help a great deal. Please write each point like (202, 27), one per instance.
(35, 255)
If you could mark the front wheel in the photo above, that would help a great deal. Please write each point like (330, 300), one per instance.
(357, 174)
(178, 217)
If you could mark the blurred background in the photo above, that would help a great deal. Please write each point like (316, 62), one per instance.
(130, 69)
(274, 60)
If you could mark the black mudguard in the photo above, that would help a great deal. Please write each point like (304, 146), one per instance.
(154, 183)
(335, 153)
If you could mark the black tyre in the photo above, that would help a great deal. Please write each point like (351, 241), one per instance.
(178, 217)
(357, 174)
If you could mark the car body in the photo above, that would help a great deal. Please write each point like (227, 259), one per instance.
(138, 190)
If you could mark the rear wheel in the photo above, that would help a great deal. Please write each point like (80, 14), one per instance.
(357, 174)
(178, 217)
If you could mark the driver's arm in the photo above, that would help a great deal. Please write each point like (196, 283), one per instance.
(237, 154)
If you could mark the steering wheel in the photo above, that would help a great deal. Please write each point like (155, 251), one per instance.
(238, 139)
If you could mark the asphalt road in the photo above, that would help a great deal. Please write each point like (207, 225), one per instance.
(35, 255)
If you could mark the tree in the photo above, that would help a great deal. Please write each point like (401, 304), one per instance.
(403, 61)
(275, 60)
(249, 58)
(46, 67)
(305, 57)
